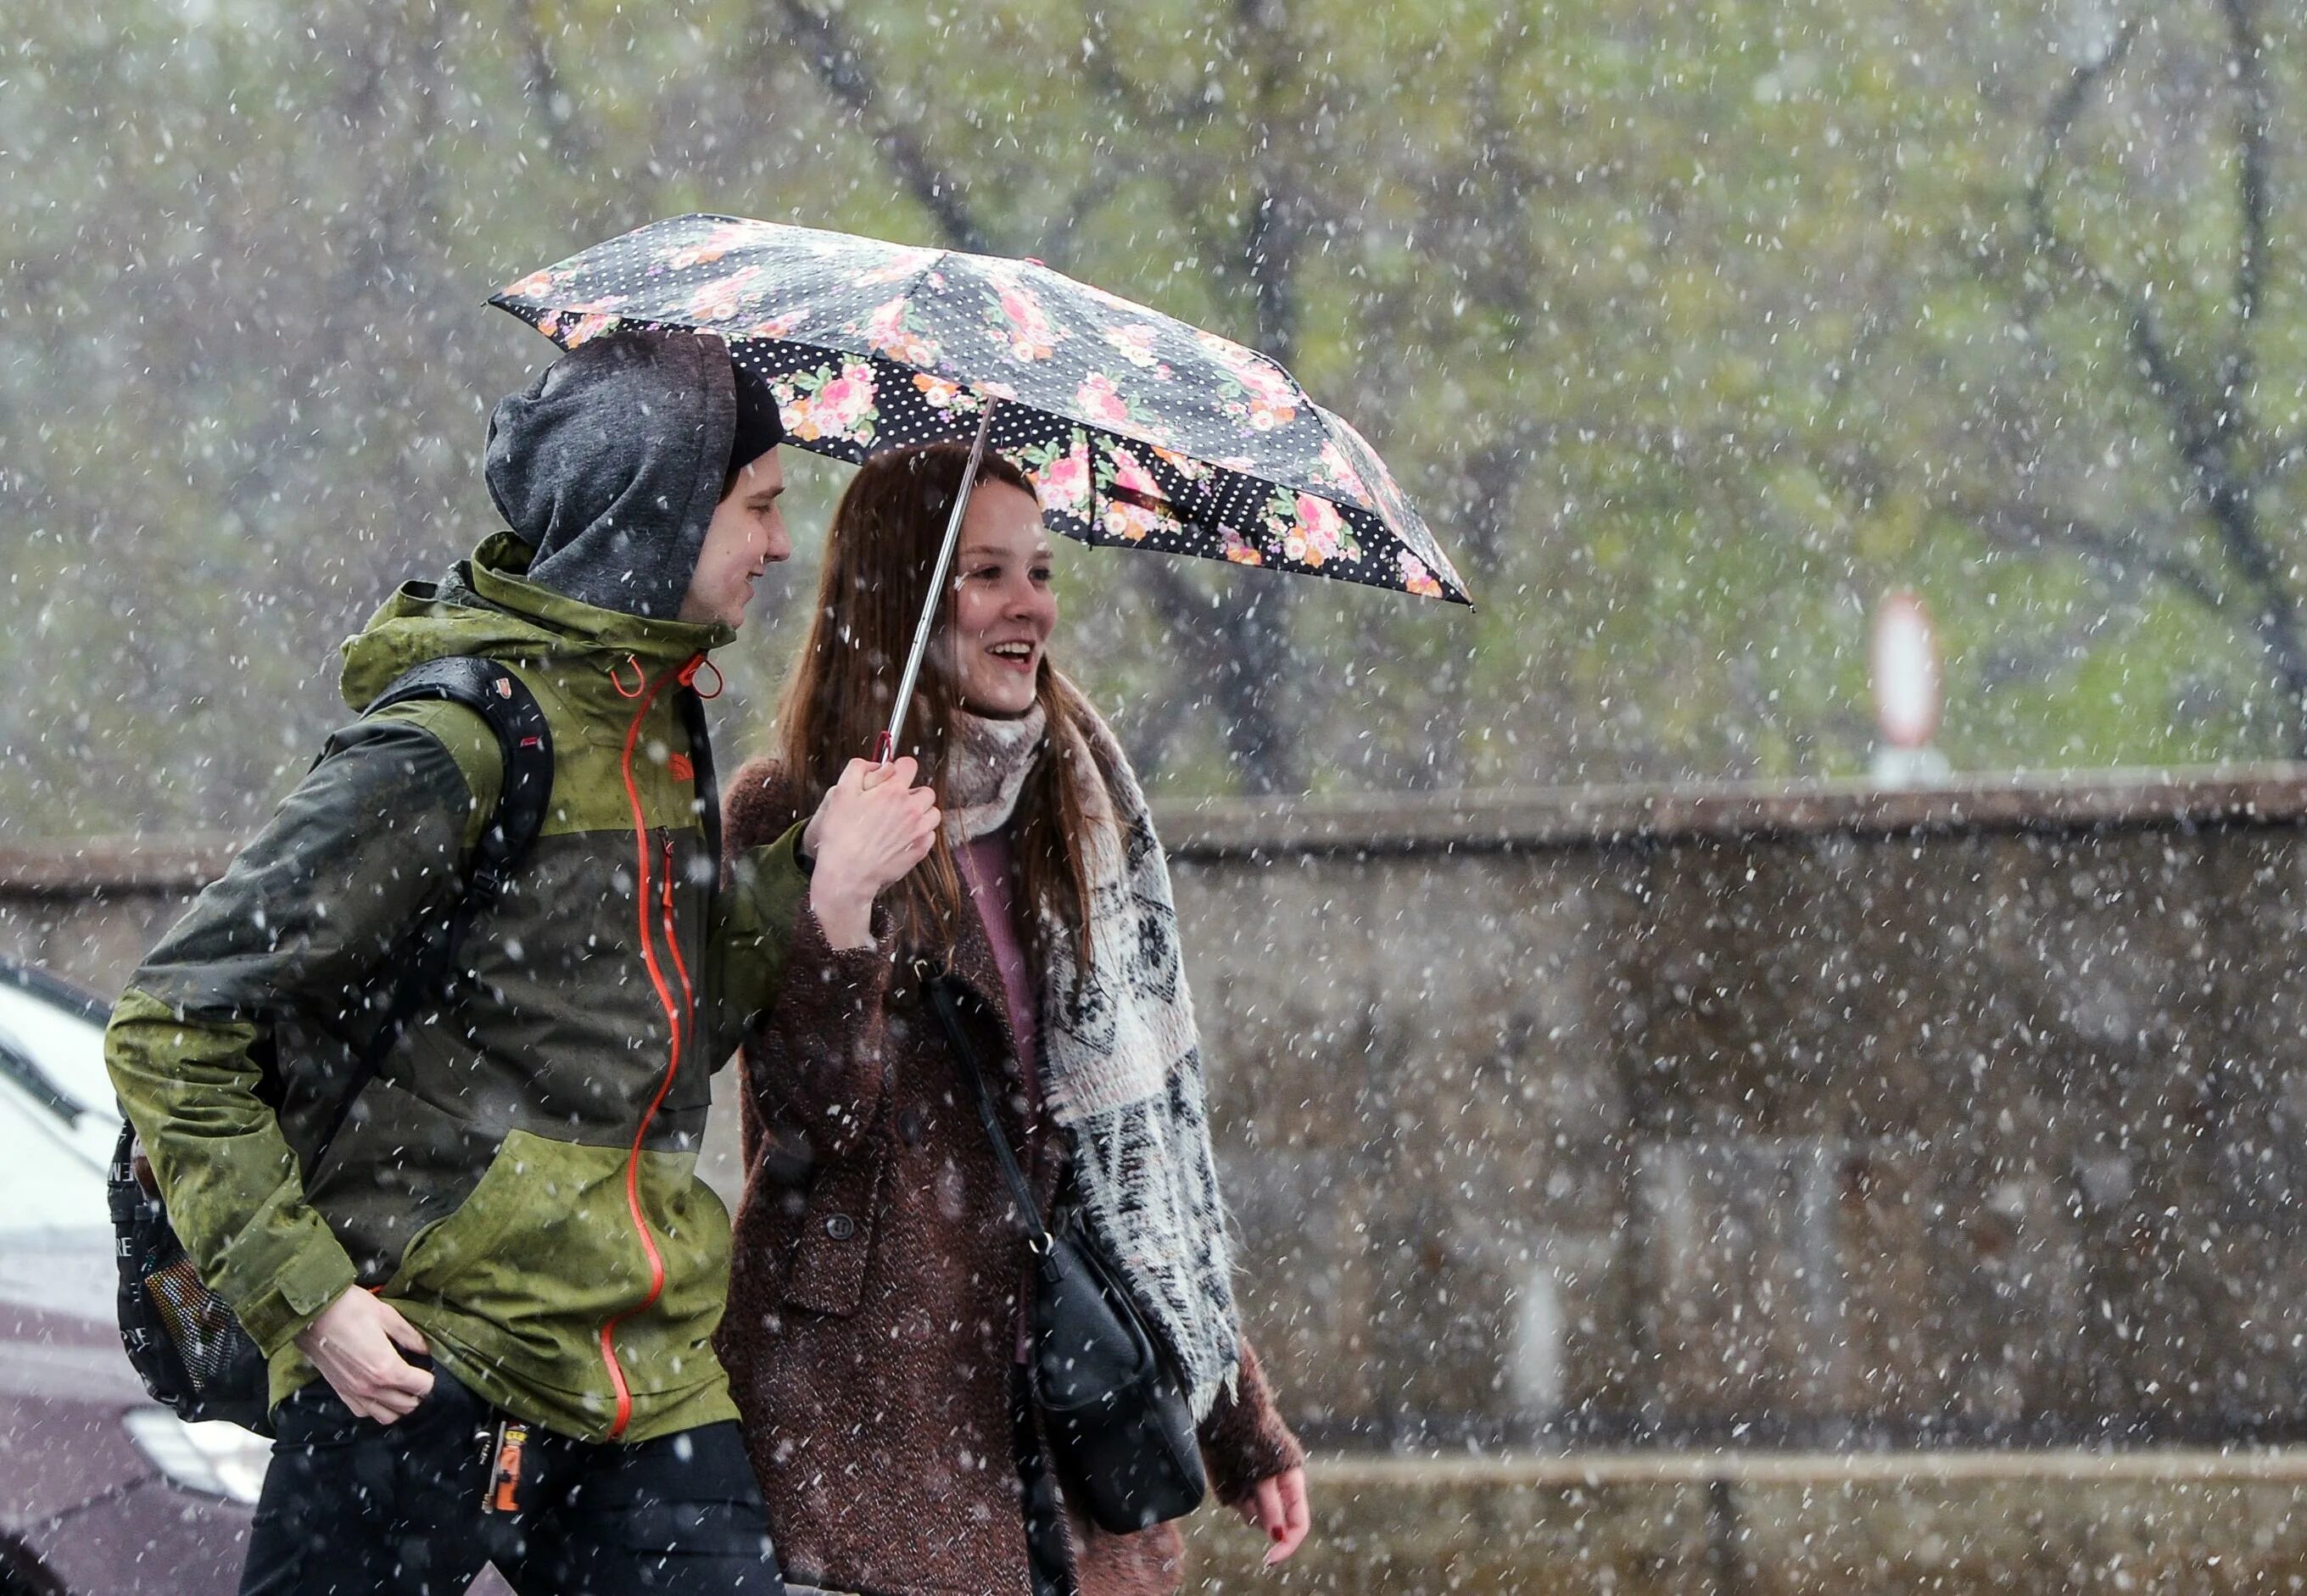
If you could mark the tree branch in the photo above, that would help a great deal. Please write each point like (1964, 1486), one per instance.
(2199, 434)
(833, 54)
(2128, 557)
(1102, 67)
(2246, 63)
(566, 135)
(1236, 625)
(1058, 244)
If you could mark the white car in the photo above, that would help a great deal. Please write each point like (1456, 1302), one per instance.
(101, 1490)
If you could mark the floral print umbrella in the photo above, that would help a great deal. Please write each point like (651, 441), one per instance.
(1136, 428)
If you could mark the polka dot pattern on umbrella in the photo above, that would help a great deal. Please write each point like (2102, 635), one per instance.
(1138, 429)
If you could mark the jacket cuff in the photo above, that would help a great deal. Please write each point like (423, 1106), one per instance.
(1244, 1440)
(315, 1272)
(845, 984)
(773, 877)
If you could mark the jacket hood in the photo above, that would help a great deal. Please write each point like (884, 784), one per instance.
(609, 466)
(491, 605)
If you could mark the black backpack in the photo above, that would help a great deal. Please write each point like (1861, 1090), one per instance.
(181, 1338)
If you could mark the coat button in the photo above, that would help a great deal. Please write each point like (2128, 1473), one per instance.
(840, 1227)
(909, 1125)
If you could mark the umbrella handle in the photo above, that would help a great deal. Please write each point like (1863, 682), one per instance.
(885, 744)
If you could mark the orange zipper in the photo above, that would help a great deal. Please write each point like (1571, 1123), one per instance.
(674, 1015)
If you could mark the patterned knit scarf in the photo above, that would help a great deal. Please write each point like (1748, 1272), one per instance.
(1121, 1061)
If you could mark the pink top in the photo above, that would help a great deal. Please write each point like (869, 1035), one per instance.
(990, 866)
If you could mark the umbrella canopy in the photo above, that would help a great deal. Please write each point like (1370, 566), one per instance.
(1136, 429)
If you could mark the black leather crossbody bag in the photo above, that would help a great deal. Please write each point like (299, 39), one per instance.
(1119, 1427)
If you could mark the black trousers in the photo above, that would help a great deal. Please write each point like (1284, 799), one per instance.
(352, 1507)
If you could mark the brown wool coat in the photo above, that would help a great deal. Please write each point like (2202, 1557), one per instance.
(875, 1291)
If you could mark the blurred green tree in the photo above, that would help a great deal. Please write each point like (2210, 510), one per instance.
(1693, 327)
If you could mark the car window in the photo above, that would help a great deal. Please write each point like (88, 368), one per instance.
(63, 1041)
(51, 1169)
(57, 1117)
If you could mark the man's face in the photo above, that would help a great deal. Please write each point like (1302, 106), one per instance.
(746, 536)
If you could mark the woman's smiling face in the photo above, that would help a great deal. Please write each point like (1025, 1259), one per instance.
(1003, 606)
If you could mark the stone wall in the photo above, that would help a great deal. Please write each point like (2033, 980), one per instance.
(2171, 1523)
(1825, 1118)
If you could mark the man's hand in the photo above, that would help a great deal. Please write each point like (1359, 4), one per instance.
(356, 1345)
(1278, 1506)
(873, 827)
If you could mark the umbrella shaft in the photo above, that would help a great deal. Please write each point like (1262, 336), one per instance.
(886, 748)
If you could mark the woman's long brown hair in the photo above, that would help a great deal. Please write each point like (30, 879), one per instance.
(878, 555)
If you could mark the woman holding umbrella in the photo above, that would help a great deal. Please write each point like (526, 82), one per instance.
(875, 1334)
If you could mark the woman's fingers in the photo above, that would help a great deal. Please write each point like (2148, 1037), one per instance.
(872, 828)
(1284, 1513)
(900, 770)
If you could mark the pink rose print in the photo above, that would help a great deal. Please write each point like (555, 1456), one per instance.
(1270, 402)
(848, 398)
(821, 405)
(568, 331)
(886, 332)
(1224, 350)
(1184, 465)
(536, 285)
(1129, 475)
(905, 263)
(1309, 531)
(1001, 391)
(1064, 483)
(1131, 522)
(1240, 549)
(940, 393)
(1415, 579)
(1318, 520)
(1341, 470)
(1267, 400)
(1136, 346)
(715, 245)
(772, 326)
(1100, 401)
(1028, 335)
(724, 297)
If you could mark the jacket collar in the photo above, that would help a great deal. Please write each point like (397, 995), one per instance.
(498, 572)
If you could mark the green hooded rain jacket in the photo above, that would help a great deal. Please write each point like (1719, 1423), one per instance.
(519, 1178)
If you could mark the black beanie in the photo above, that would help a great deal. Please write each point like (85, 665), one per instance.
(759, 427)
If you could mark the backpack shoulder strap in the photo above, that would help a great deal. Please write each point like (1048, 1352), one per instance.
(502, 700)
(511, 712)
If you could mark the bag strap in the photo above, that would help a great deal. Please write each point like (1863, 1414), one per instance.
(942, 991)
(525, 740)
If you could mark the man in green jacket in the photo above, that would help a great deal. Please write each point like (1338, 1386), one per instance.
(488, 1306)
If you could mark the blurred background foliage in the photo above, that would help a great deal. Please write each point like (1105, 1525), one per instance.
(1694, 325)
